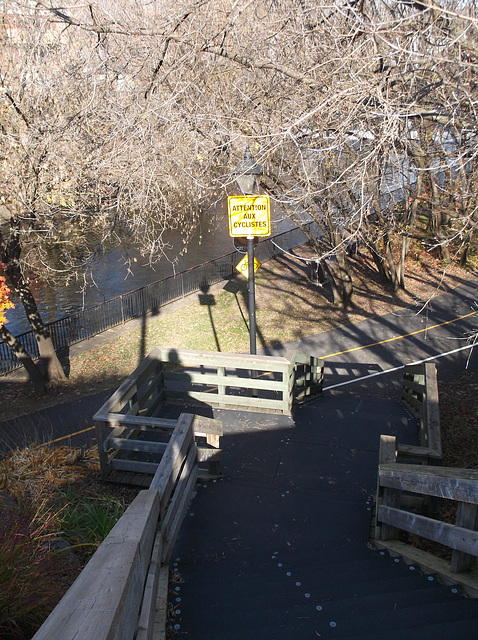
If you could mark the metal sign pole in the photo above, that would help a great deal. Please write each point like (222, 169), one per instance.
(252, 295)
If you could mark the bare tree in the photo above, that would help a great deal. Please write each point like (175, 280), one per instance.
(121, 120)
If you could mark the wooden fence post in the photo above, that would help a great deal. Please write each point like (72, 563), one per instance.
(466, 517)
(387, 497)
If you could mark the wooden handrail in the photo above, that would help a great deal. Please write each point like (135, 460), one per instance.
(104, 601)
(114, 597)
(448, 483)
(401, 487)
(420, 397)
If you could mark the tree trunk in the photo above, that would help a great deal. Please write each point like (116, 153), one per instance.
(48, 359)
(391, 262)
(31, 368)
(409, 227)
(465, 249)
(378, 260)
(336, 293)
(344, 277)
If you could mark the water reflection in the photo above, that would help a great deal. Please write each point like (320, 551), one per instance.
(124, 269)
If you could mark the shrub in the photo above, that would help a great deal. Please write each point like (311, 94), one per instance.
(31, 577)
(88, 522)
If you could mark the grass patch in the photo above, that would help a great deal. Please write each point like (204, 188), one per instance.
(86, 522)
(54, 513)
(30, 576)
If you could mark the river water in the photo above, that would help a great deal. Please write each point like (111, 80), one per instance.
(110, 276)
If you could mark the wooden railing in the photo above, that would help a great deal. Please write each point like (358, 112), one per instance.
(420, 397)
(128, 433)
(409, 497)
(116, 596)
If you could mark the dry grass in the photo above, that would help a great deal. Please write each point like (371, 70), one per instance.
(459, 421)
(35, 469)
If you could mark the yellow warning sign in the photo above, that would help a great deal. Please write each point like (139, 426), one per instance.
(243, 266)
(249, 216)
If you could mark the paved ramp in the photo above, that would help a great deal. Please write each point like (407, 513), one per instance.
(279, 548)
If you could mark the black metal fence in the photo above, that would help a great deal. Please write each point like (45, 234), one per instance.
(89, 322)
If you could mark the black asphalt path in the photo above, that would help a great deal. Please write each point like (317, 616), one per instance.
(279, 548)
(68, 424)
(359, 356)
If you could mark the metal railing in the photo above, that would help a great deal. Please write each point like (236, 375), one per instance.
(93, 320)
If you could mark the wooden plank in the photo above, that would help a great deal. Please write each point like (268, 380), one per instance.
(179, 503)
(132, 434)
(159, 632)
(221, 373)
(387, 450)
(138, 422)
(421, 452)
(209, 455)
(148, 606)
(466, 516)
(442, 482)
(190, 378)
(222, 359)
(431, 564)
(387, 454)
(104, 601)
(203, 426)
(388, 498)
(176, 525)
(213, 441)
(432, 410)
(253, 404)
(145, 446)
(137, 466)
(171, 462)
(447, 534)
(100, 432)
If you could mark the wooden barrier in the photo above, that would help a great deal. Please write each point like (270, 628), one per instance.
(401, 505)
(131, 439)
(226, 380)
(115, 597)
(420, 397)
(408, 495)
